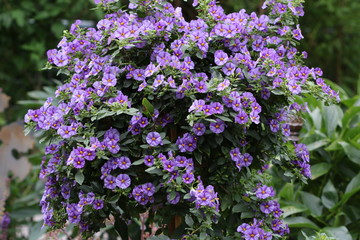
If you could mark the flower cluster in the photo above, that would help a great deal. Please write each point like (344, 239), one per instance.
(155, 110)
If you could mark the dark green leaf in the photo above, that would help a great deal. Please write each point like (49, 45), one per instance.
(292, 208)
(352, 152)
(115, 198)
(287, 192)
(188, 220)
(338, 232)
(317, 144)
(247, 215)
(240, 208)
(161, 237)
(79, 177)
(333, 115)
(138, 162)
(312, 202)
(149, 108)
(121, 228)
(300, 222)
(198, 157)
(154, 170)
(24, 213)
(349, 115)
(329, 196)
(319, 169)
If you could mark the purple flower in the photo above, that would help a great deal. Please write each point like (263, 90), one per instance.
(148, 188)
(52, 148)
(217, 107)
(79, 162)
(223, 85)
(197, 105)
(242, 117)
(154, 139)
(297, 33)
(199, 129)
(112, 146)
(109, 79)
(89, 155)
(61, 59)
(110, 182)
(244, 161)
(123, 181)
(285, 128)
(181, 161)
(218, 126)
(235, 154)
(149, 160)
(187, 143)
(220, 57)
(169, 165)
(267, 207)
(112, 134)
(252, 234)
(243, 227)
(265, 192)
(66, 131)
(98, 204)
(274, 125)
(124, 163)
(228, 68)
(208, 110)
(201, 87)
(188, 178)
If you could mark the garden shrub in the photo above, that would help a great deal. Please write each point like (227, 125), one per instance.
(176, 119)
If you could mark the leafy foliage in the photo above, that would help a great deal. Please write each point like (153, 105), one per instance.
(330, 202)
(28, 29)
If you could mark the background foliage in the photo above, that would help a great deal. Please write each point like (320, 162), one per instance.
(331, 30)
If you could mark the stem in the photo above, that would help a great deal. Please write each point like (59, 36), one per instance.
(67, 235)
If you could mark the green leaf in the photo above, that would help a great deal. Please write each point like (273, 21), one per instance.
(121, 228)
(338, 232)
(293, 208)
(225, 119)
(352, 188)
(188, 220)
(319, 169)
(352, 152)
(79, 177)
(161, 237)
(240, 208)
(24, 213)
(138, 162)
(316, 118)
(317, 144)
(333, 115)
(149, 108)
(41, 95)
(329, 196)
(354, 185)
(312, 202)
(198, 157)
(115, 198)
(300, 222)
(287, 192)
(154, 170)
(36, 231)
(349, 115)
(247, 215)
(19, 17)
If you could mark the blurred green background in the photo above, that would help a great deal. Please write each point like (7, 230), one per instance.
(328, 204)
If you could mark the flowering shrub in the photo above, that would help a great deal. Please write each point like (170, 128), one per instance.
(175, 118)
